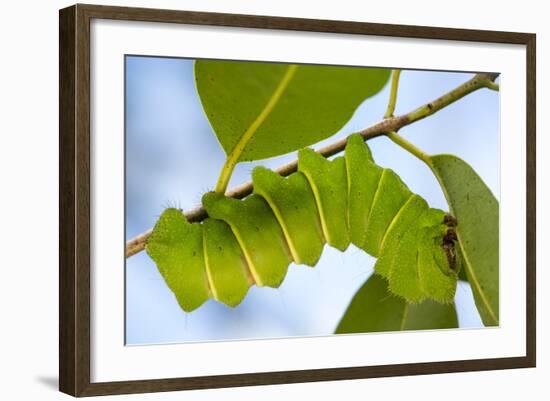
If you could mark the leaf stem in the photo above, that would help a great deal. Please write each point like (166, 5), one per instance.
(236, 152)
(393, 93)
(391, 124)
(410, 147)
(421, 155)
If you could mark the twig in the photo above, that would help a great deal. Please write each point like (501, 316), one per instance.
(481, 80)
(393, 93)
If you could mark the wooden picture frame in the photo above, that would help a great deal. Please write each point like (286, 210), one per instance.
(75, 207)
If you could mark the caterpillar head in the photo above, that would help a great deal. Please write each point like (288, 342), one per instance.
(449, 240)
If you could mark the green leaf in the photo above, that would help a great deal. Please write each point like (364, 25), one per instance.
(374, 308)
(260, 110)
(477, 213)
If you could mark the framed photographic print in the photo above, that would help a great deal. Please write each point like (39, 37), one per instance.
(251, 200)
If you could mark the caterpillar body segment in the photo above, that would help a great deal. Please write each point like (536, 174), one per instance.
(420, 270)
(293, 203)
(255, 226)
(177, 248)
(403, 278)
(328, 180)
(402, 274)
(225, 264)
(391, 194)
(363, 176)
(402, 223)
(346, 200)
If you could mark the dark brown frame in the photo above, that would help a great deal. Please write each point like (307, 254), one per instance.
(74, 199)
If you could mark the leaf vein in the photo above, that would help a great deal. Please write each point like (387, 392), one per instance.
(472, 278)
(240, 146)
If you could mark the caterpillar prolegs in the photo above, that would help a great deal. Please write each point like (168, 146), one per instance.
(346, 200)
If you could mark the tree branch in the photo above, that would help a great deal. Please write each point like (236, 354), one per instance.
(482, 80)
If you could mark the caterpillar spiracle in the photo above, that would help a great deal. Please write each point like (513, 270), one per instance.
(349, 199)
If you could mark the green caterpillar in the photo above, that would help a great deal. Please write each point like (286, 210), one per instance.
(347, 200)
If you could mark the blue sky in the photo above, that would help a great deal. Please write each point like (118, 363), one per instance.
(173, 157)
